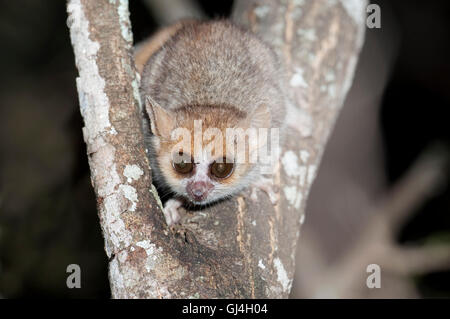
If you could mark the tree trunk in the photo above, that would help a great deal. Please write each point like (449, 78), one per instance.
(239, 248)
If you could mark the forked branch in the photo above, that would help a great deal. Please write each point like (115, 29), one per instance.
(239, 248)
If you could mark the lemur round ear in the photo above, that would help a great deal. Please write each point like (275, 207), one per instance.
(162, 121)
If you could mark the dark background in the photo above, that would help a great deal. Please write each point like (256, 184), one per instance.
(48, 217)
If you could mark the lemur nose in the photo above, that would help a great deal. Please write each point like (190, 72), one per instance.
(199, 190)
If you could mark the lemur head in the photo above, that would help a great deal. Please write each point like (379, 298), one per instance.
(204, 152)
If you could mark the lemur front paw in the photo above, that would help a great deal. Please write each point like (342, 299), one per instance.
(171, 211)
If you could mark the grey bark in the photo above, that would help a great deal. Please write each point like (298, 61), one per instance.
(239, 248)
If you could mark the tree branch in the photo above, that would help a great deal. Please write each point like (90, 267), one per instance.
(238, 248)
(377, 244)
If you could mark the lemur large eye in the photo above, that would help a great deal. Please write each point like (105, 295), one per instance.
(221, 169)
(182, 163)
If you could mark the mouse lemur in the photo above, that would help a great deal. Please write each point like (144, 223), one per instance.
(200, 76)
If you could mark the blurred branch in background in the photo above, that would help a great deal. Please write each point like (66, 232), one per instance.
(169, 11)
(352, 176)
(345, 278)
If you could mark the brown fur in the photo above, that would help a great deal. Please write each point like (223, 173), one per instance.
(143, 51)
(210, 71)
(214, 63)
